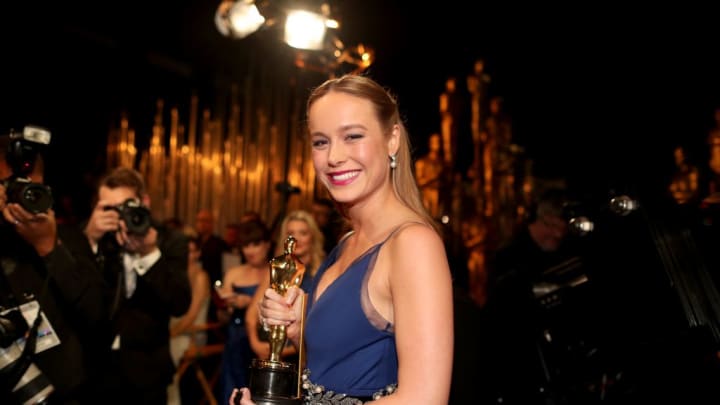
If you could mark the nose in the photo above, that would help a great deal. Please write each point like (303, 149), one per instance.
(336, 154)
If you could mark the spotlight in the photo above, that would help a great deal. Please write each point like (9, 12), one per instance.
(623, 205)
(305, 30)
(581, 225)
(312, 32)
(238, 19)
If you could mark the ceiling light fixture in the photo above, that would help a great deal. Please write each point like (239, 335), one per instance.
(310, 31)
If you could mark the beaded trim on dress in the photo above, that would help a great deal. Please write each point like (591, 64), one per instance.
(318, 395)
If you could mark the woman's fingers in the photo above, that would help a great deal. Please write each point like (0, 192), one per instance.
(292, 294)
(246, 397)
(275, 310)
(240, 397)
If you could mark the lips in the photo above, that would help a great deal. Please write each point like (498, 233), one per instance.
(342, 178)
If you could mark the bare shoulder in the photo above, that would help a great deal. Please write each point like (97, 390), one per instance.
(415, 240)
(236, 273)
(203, 279)
(417, 232)
(417, 254)
(234, 269)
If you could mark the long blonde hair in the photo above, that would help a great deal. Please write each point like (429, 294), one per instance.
(387, 112)
(317, 252)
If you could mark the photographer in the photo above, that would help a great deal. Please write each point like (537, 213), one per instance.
(42, 361)
(517, 324)
(144, 266)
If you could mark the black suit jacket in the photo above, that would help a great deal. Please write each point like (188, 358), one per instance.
(143, 361)
(72, 304)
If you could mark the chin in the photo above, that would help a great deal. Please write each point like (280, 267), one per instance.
(340, 196)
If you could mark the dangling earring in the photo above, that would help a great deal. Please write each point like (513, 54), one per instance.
(393, 161)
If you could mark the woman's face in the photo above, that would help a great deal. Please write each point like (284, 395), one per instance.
(349, 149)
(256, 253)
(300, 230)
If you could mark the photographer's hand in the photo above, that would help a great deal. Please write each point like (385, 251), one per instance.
(39, 230)
(101, 221)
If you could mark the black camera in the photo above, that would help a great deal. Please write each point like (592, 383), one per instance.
(135, 215)
(19, 376)
(21, 156)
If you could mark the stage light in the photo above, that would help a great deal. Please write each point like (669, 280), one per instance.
(238, 19)
(623, 205)
(581, 225)
(311, 31)
(305, 30)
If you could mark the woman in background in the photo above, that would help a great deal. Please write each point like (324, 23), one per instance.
(182, 328)
(239, 286)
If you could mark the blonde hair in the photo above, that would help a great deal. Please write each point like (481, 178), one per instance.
(387, 112)
(317, 251)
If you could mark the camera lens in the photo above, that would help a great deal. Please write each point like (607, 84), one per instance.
(33, 197)
(136, 217)
(36, 198)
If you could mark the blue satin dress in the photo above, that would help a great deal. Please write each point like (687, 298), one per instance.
(350, 346)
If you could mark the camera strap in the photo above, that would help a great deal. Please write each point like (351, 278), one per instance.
(11, 375)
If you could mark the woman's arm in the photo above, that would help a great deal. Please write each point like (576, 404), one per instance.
(239, 301)
(200, 292)
(420, 285)
(234, 276)
(252, 317)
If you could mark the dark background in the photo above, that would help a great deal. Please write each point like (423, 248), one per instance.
(596, 96)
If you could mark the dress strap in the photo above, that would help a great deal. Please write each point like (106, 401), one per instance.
(401, 227)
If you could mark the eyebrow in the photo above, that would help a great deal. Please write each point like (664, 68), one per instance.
(343, 128)
(352, 126)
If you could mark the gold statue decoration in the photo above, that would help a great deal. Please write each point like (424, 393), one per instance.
(429, 171)
(286, 271)
(273, 381)
(685, 181)
(449, 116)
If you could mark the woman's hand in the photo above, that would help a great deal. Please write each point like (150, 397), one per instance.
(276, 309)
(244, 399)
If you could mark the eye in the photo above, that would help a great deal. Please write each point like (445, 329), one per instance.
(353, 137)
(319, 143)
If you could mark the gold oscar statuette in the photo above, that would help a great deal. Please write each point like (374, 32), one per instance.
(273, 381)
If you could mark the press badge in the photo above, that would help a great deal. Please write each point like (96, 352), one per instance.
(46, 336)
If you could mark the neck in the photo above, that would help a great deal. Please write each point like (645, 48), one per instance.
(306, 258)
(258, 267)
(373, 211)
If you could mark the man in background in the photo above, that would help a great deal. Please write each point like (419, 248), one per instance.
(144, 266)
(40, 280)
(538, 256)
(329, 222)
(212, 245)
